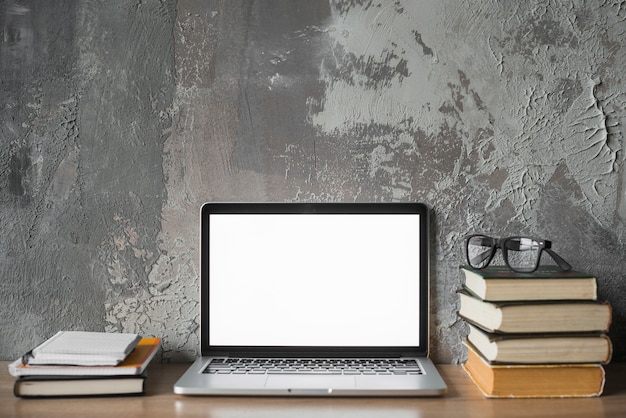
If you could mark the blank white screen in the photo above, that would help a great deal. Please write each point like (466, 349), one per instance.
(314, 280)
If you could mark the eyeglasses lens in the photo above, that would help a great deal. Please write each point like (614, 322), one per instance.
(522, 253)
(480, 250)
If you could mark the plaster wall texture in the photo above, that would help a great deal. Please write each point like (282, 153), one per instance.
(120, 118)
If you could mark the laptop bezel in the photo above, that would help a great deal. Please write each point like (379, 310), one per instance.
(315, 208)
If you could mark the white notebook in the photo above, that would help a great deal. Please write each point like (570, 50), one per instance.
(82, 348)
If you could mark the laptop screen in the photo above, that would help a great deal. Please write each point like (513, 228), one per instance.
(314, 275)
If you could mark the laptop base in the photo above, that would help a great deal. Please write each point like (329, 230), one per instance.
(195, 382)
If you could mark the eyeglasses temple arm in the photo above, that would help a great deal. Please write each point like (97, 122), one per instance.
(559, 260)
(479, 258)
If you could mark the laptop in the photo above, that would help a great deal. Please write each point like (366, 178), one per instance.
(313, 299)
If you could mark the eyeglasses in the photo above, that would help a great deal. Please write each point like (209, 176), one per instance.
(521, 254)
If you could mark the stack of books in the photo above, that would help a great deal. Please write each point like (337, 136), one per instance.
(76, 363)
(541, 334)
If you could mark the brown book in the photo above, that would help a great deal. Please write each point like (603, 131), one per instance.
(499, 283)
(534, 381)
(541, 348)
(535, 316)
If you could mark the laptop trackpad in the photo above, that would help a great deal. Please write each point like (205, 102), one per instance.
(309, 382)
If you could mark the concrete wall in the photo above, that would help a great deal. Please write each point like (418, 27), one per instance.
(119, 118)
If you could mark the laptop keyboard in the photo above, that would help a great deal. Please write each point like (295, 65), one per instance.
(313, 366)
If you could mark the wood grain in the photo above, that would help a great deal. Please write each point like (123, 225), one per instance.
(462, 400)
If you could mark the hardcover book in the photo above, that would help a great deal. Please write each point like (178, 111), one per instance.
(535, 316)
(541, 348)
(534, 381)
(55, 386)
(499, 283)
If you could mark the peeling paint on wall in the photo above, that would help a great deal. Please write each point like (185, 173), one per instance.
(507, 104)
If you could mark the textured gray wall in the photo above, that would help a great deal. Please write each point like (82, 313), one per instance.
(119, 118)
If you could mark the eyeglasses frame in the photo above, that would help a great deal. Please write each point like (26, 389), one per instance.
(544, 245)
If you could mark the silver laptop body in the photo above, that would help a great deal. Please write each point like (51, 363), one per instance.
(313, 299)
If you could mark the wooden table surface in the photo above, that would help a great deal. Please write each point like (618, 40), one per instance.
(462, 400)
